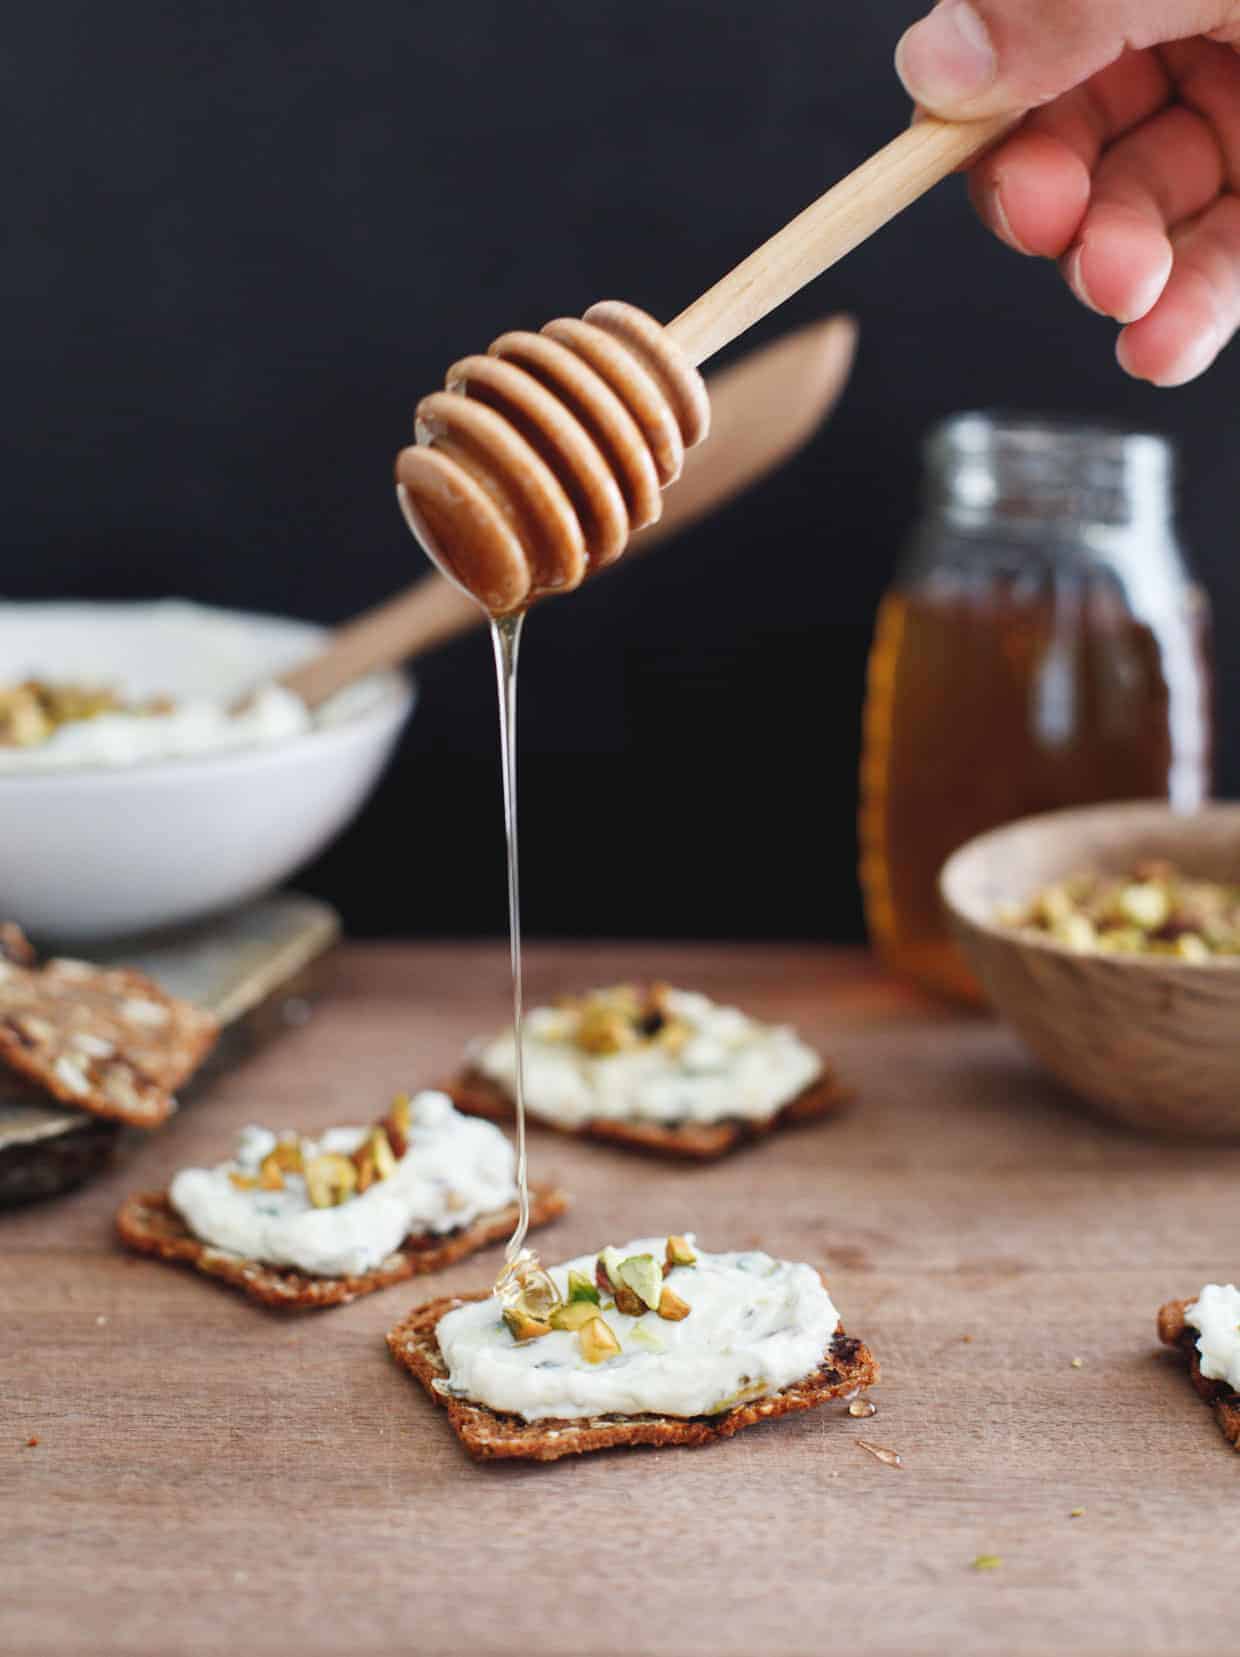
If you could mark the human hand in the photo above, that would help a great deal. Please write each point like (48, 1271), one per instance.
(1127, 169)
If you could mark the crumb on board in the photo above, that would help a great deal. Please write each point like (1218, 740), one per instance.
(32, 1442)
(987, 1562)
(1077, 1513)
(1078, 1363)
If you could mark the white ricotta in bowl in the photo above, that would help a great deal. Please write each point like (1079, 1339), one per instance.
(455, 1169)
(199, 725)
(755, 1325)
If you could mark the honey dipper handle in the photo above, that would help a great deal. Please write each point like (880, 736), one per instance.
(831, 227)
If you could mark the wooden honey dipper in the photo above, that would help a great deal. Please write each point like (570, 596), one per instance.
(540, 458)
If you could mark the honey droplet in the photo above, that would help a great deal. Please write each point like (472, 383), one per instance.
(889, 1458)
(525, 1284)
(862, 1407)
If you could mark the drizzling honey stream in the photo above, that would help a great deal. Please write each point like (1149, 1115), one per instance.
(540, 458)
(531, 470)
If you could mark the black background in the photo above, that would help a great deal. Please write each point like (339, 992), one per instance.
(243, 241)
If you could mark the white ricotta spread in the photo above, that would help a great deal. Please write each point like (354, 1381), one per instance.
(455, 1168)
(197, 725)
(1216, 1316)
(755, 1325)
(731, 1066)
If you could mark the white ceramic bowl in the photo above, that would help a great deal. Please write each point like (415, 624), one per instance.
(104, 851)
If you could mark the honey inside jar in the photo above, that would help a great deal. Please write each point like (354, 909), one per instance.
(1024, 662)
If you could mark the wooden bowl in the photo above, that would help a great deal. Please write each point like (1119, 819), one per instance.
(1151, 1041)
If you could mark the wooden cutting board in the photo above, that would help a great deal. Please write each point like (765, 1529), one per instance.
(254, 969)
(211, 1478)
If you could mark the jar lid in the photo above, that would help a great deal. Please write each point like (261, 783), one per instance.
(985, 465)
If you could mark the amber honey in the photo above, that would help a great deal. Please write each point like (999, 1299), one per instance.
(987, 701)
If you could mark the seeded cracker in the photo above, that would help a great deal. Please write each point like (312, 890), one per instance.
(488, 1435)
(150, 1224)
(1173, 1330)
(105, 1039)
(478, 1095)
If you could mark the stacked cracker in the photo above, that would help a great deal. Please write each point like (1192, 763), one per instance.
(106, 1040)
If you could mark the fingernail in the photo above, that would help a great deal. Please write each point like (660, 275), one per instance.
(1193, 358)
(1123, 358)
(999, 213)
(948, 57)
(1075, 278)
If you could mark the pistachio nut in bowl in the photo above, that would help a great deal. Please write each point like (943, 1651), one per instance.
(1109, 938)
(136, 794)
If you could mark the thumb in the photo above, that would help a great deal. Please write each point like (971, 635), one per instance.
(970, 58)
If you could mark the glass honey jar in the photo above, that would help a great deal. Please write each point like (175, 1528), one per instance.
(1043, 645)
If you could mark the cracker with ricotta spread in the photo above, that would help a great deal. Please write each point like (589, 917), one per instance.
(107, 1040)
(302, 1224)
(654, 1069)
(677, 1347)
(1207, 1331)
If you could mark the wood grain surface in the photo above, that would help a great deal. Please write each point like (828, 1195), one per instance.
(213, 1478)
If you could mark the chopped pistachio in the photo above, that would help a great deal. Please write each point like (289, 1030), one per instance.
(1123, 940)
(581, 1288)
(270, 1174)
(399, 1123)
(603, 1031)
(640, 1335)
(384, 1155)
(23, 722)
(243, 1182)
(643, 1274)
(1152, 908)
(330, 1179)
(523, 1325)
(674, 1036)
(1054, 906)
(374, 1158)
(287, 1154)
(629, 1301)
(1145, 905)
(572, 1314)
(364, 1162)
(1077, 931)
(679, 1253)
(672, 1307)
(597, 1341)
(606, 1269)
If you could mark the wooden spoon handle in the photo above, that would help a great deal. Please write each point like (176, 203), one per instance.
(831, 227)
(422, 616)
